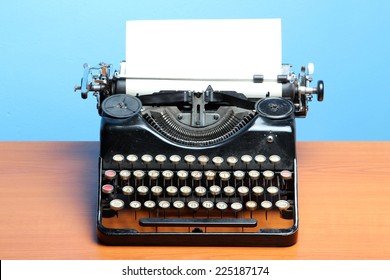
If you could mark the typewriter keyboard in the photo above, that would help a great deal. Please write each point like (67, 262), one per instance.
(152, 194)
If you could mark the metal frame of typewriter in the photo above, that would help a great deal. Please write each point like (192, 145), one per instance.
(212, 123)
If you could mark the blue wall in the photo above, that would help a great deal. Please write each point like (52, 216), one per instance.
(43, 45)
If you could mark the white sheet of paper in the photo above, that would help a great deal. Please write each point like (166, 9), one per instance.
(192, 54)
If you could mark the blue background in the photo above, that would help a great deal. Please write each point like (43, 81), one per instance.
(43, 45)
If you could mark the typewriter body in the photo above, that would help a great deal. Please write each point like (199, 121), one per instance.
(198, 167)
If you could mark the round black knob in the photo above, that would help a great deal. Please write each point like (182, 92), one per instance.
(320, 90)
(121, 106)
(274, 108)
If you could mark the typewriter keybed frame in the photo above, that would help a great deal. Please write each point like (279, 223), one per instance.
(197, 205)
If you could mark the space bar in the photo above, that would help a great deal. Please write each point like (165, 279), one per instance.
(198, 222)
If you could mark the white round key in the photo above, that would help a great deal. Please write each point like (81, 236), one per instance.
(224, 175)
(139, 174)
(266, 204)
(231, 161)
(254, 174)
(282, 204)
(236, 206)
(160, 159)
(194, 205)
(200, 191)
(274, 159)
(217, 161)
(175, 159)
(117, 204)
(268, 174)
(239, 175)
(150, 204)
(190, 159)
(258, 191)
(156, 190)
(203, 160)
(164, 204)
(251, 205)
(132, 158)
(215, 190)
(246, 159)
(243, 190)
(182, 174)
(127, 190)
(178, 204)
(146, 159)
(210, 175)
(196, 175)
(124, 174)
(153, 174)
(260, 159)
(207, 204)
(135, 205)
(229, 190)
(143, 190)
(272, 190)
(185, 191)
(221, 205)
(118, 158)
(172, 190)
(167, 174)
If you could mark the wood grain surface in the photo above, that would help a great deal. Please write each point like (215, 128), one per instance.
(48, 205)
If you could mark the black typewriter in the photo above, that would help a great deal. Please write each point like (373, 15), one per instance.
(207, 168)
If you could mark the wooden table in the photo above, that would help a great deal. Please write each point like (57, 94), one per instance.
(48, 205)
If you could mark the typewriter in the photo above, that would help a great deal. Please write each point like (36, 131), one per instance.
(197, 167)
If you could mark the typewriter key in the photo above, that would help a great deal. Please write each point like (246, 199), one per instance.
(127, 190)
(146, 159)
(118, 158)
(164, 204)
(178, 204)
(229, 190)
(160, 159)
(203, 160)
(107, 188)
(200, 191)
(175, 159)
(272, 190)
(124, 175)
(109, 174)
(150, 204)
(156, 190)
(243, 191)
(132, 158)
(260, 159)
(143, 190)
(217, 161)
(224, 175)
(139, 174)
(231, 161)
(182, 174)
(286, 175)
(266, 204)
(251, 205)
(136, 205)
(172, 190)
(190, 159)
(236, 206)
(153, 174)
(282, 204)
(239, 175)
(207, 204)
(221, 205)
(117, 204)
(268, 174)
(210, 175)
(185, 191)
(167, 174)
(274, 159)
(246, 159)
(196, 175)
(254, 174)
(215, 190)
(258, 191)
(194, 205)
